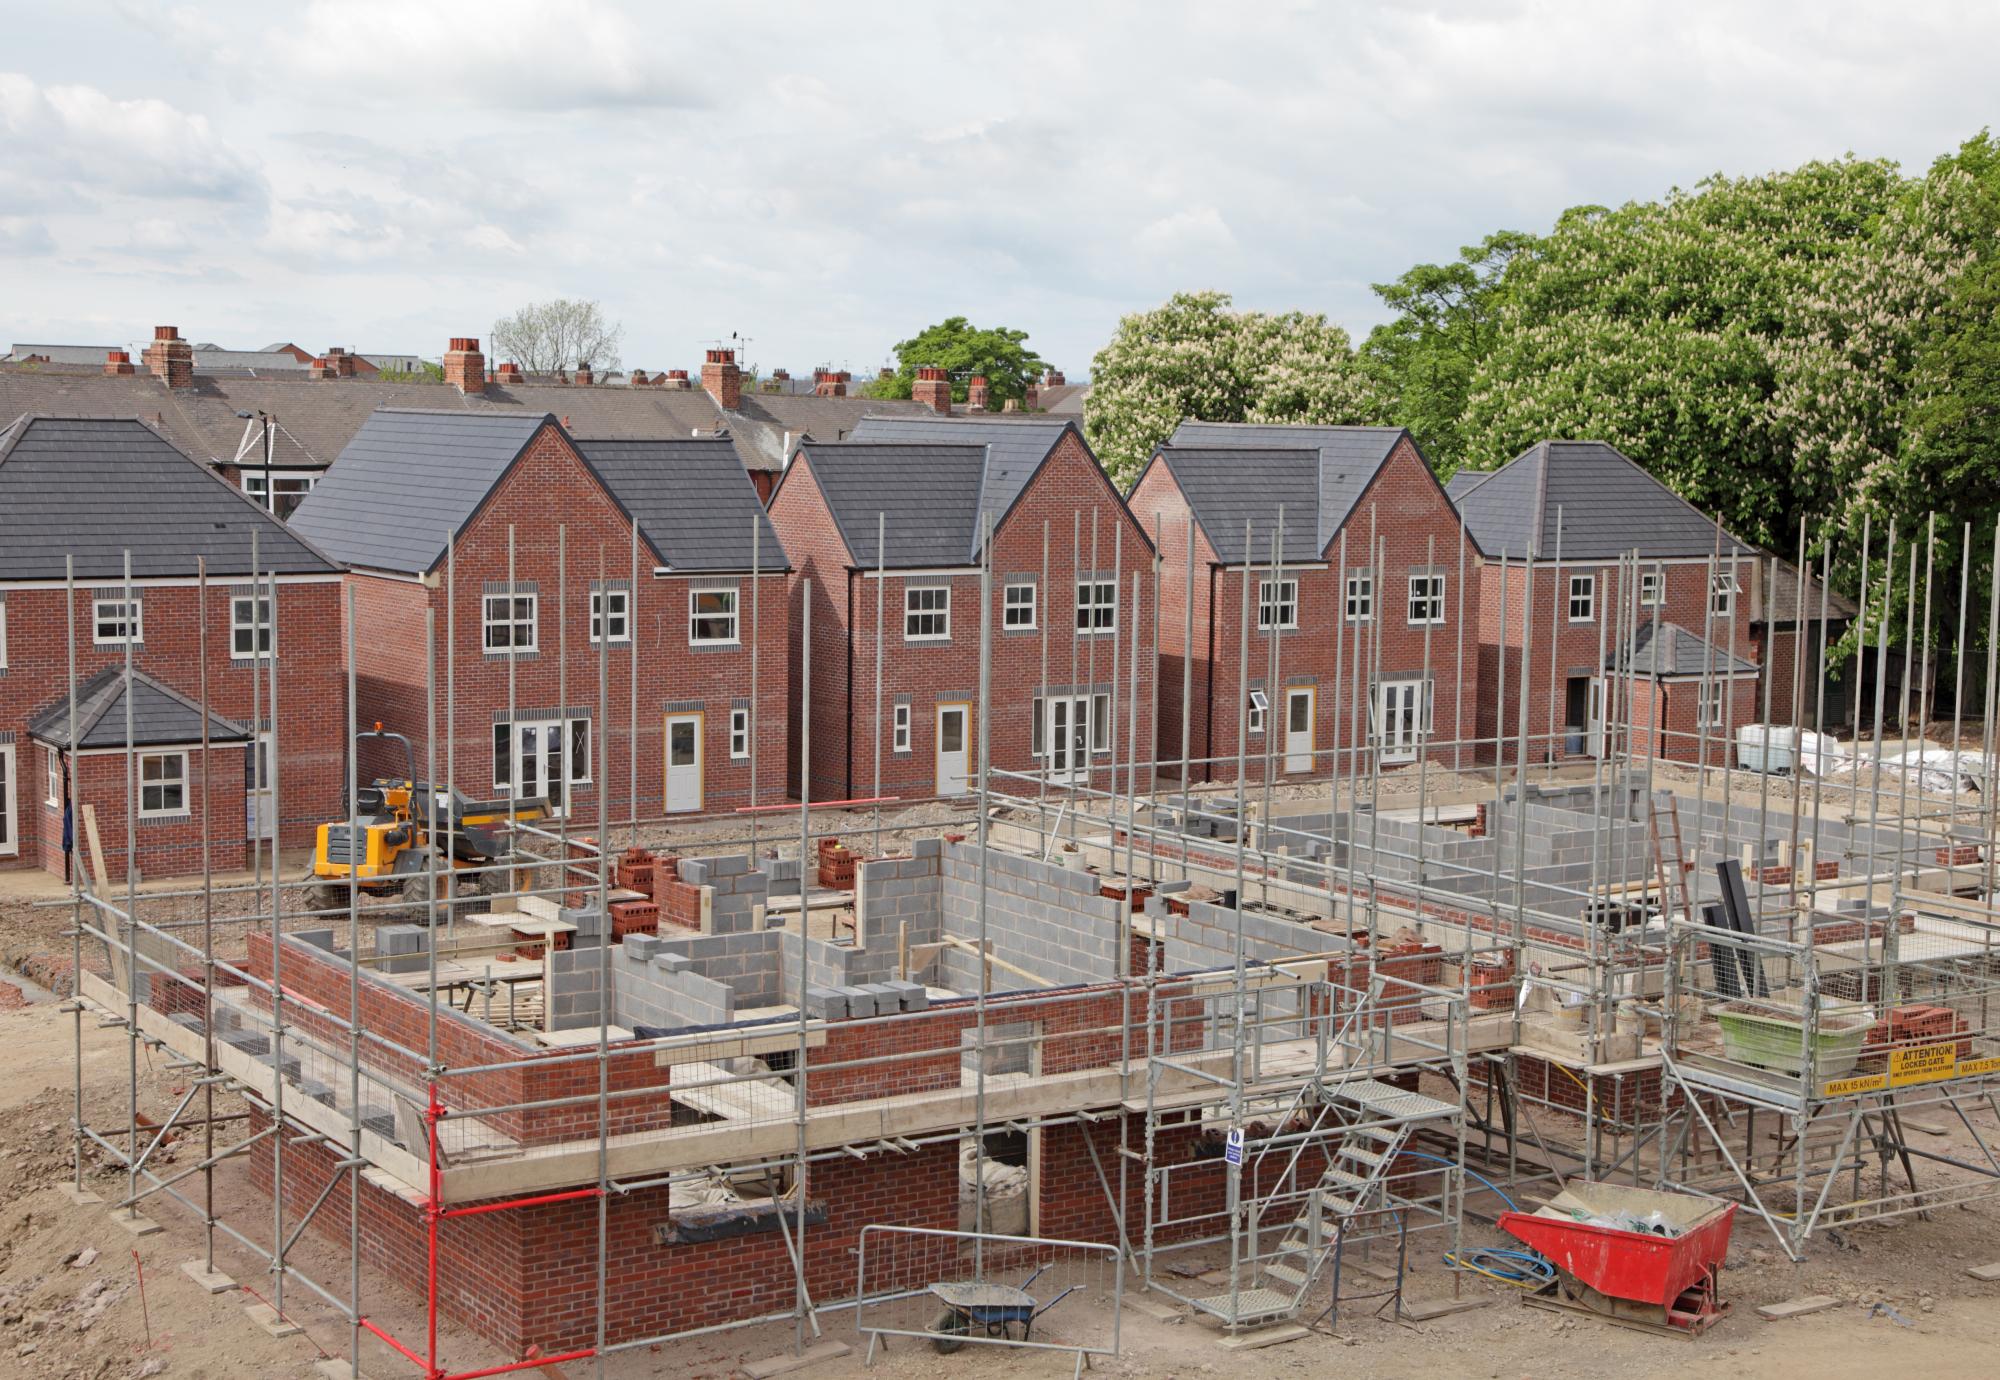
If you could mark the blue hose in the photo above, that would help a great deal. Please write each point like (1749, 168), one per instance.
(1526, 1269)
(1453, 1164)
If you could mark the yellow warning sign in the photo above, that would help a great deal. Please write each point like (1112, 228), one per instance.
(1972, 1068)
(1847, 1087)
(1922, 1064)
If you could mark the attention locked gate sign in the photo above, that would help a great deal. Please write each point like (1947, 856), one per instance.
(1913, 1065)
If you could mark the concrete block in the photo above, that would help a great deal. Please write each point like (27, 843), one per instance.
(673, 963)
(640, 947)
(910, 996)
(827, 1003)
(319, 939)
(695, 871)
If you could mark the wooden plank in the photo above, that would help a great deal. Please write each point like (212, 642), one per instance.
(1797, 1308)
(96, 848)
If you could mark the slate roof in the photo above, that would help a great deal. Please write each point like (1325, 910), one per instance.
(1795, 598)
(208, 359)
(316, 418)
(692, 499)
(161, 715)
(407, 480)
(1015, 449)
(1607, 503)
(1677, 652)
(770, 426)
(92, 355)
(1464, 482)
(96, 487)
(1233, 471)
(928, 493)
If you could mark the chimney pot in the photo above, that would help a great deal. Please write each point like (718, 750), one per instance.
(976, 394)
(639, 379)
(932, 389)
(169, 358)
(675, 378)
(722, 379)
(465, 366)
(584, 375)
(322, 368)
(118, 362)
(166, 332)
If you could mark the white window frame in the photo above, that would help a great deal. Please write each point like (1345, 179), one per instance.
(1096, 711)
(1260, 708)
(899, 730)
(1096, 607)
(511, 619)
(52, 775)
(1722, 592)
(131, 618)
(508, 733)
(1582, 592)
(927, 605)
(1285, 607)
(1010, 606)
(1711, 703)
(732, 616)
(739, 732)
(1358, 605)
(244, 611)
(180, 779)
(613, 606)
(1426, 600)
(1652, 588)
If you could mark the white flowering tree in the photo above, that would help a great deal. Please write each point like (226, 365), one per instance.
(1197, 356)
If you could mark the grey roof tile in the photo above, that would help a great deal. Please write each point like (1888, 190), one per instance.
(1607, 506)
(1015, 449)
(1318, 473)
(692, 499)
(98, 487)
(408, 480)
(1677, 652)
(927, 495)
(161, 715)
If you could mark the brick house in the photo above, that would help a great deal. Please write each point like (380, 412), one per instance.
(1577, 507)
(95, 489)
(1389, 625)
(1065, 553)
(424, 503)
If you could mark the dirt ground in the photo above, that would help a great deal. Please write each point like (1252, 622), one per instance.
(81, 1297)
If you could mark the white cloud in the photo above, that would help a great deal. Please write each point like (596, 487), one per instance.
(64, 136)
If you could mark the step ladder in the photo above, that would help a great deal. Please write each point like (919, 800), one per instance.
(1376, 1123)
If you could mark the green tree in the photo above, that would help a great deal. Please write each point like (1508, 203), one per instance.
(1196, 356)
(1447, 322)
(963, 350)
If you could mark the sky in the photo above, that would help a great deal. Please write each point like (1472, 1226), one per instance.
(822, 181)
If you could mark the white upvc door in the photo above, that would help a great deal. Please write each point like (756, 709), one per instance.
(1594, 717)
(1298, 730)
(1068, 736)
(954, 756)
(684, 764)
(539, 758)
(1398, 711)
(10, 796)
(259, 809)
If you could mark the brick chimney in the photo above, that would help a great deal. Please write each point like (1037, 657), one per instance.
(1031, 397)
(508, 373)
(341, 360)
(639, 379)
(830, 383)
(118, 362)
(932, 389)
(675, 378)
(584, 374)
(323, 368)
(1052, 379)
(170, 358)
(723, 380)
(976, 394)
(781, 376)
(464, 366)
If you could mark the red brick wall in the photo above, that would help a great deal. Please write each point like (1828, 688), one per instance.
(1404, 510)
(927, 673)
(312, 695)
(551, 480)
(1577, 648)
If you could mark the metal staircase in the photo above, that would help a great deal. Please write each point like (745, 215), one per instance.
(1369, 1123)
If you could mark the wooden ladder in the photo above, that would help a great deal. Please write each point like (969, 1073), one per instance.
(1670, 860)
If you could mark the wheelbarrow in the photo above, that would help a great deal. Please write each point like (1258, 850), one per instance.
(974, 1309)
(1660, 1279)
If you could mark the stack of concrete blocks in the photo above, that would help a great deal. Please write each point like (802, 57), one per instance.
(734, 894)
(403, 949)
(576, 996)
(781, 876)
(859, 1001)
(1044, 918)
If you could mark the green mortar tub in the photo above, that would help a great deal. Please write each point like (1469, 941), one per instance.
(1772, 1037)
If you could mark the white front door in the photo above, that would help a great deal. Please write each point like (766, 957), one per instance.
(1298, 730)
(260, 815)
(683, 763)
(1068, 730)
(1594, 719)
(953, 753)
(1398, 710)
(10, 793)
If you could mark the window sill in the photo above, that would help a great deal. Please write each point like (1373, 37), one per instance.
(714, 644)
(926, 637)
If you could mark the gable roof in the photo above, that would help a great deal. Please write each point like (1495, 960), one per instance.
(97, 487)
(1608, 506)
(161, 715)
(927, 496)
(409, 479)
(1233, 471)
(770, 426)
(692, 499)
(1676, 653)
(1464, 482)
(1015, 449)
